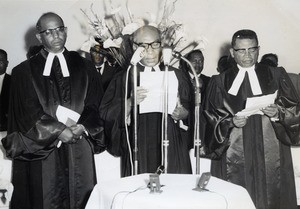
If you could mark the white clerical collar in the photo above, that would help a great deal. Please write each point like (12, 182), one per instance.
(62, 62)
(149, 69)
(254, 84)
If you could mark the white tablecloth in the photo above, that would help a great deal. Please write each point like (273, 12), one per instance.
(177, 192)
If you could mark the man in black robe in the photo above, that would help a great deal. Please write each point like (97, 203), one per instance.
(149, 125)
(53, 164)
(253, 150)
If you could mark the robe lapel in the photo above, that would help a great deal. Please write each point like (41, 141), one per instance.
(44, 84)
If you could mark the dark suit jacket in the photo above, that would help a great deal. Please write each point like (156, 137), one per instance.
(107, 75)
(4, 100)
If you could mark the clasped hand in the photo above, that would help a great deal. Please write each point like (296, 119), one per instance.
(72, 134)
(271, 111)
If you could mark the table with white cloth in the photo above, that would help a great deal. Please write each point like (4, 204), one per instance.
(177, 192)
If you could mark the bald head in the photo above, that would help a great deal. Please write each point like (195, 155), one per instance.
(146, 32)
(52, 33)
(49, 16)
(149, 38)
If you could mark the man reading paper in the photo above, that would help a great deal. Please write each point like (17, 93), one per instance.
(254, 150)
(149, 125)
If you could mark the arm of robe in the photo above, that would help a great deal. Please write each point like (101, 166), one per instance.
(219, 120)
(287, 128)
(90, 117)
(112, 113)
(185, 93)
(32, 134)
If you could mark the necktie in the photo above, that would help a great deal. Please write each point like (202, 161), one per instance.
(254, 84)
(62, 62)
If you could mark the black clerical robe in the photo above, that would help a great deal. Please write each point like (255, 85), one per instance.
(46, 176)
(107, 74)
(149, 129)
(256, 156)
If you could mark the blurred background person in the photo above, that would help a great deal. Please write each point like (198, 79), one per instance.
(105, 64)
(224, 63)
(4, 92)
(269, 59)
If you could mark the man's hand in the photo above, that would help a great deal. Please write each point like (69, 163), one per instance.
(141, 94)
(271, 111)
(180, 113)
(66, 136)
(77, 130)
(239, 121)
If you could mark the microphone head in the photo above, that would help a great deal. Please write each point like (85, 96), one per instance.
(160, 169)
(176, 54)
(137, 55)
(167, 54)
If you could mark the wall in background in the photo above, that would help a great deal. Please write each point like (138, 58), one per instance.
(275, 21)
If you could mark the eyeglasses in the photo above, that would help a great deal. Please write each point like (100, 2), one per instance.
(250, 50)
(154, 45)
(48, 32)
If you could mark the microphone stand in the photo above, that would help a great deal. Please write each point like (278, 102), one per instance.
(136, 57)
(135, 112)
(167, 54)
(197, 140)
(165, 115)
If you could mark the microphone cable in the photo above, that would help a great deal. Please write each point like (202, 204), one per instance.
(125, 119)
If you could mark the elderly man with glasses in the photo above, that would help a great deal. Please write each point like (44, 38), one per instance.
(253, 113)
(54, 128)
(149, 125)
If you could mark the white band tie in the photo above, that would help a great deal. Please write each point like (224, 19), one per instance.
(254, 84)
(62, 62)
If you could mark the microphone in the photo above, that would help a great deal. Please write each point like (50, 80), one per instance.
(176, 54)
(160, 170)
(167, 54)
(154, 183)
(138, 55)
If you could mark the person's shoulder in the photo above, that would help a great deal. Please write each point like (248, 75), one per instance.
(21, 68)
(76, 58)
(204, 77)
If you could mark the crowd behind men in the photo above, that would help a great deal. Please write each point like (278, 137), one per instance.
(53, 164)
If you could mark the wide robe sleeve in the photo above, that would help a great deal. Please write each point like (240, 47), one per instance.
(33, 127)
(32, 134)
(90, 117)
(219, 119)
(287, 128)
(112, 113)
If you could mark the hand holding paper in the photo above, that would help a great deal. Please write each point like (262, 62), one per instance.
(271, 110)
(255, 105)
(69, 118)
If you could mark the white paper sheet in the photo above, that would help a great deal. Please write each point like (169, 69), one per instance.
(154, 83)
(254, 104)
(67, 116)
